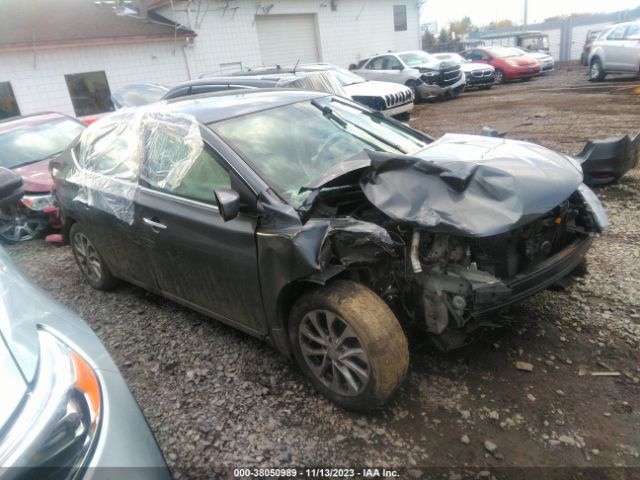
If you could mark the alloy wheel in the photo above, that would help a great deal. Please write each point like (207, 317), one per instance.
(87, 256)
(499, 77)
(19, 228)
(595, 70)
(334, 353)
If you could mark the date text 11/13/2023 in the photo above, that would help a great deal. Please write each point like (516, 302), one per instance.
(328, 473)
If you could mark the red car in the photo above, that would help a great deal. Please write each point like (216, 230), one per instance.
(510, 64)
(27, 145)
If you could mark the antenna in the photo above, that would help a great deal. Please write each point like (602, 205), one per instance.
(296, 66)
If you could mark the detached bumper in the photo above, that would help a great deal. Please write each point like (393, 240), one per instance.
(498, 295)
(429, 91)
(605, 161)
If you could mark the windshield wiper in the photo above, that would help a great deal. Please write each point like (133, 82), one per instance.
(330, 114)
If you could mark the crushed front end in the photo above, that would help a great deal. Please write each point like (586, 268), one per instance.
(462, 239)
(454, 282)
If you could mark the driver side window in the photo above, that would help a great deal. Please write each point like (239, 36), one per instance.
(616, 33)
(174, 166)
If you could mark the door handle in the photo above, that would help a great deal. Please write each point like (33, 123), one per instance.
(155, 225)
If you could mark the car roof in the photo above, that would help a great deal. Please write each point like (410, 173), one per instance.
(22, 121)
(214, 107)
(266, 79)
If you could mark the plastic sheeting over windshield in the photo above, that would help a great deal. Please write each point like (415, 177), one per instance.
(157, 146)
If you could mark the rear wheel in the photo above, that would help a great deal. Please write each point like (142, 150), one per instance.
(499, 76)
(596, 72)
(350, 344)
(93, 268)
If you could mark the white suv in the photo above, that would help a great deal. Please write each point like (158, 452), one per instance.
(616, 50)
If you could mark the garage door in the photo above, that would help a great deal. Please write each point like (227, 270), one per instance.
(285, 39)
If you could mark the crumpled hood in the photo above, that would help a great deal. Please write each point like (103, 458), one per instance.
(470, 185)
(375, 89)
(439, 65)
(36, 177)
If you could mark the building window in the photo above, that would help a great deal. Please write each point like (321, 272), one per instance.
(8, 103)
(89, 93)
(400, 18)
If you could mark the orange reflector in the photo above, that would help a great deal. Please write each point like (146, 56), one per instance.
(87, 383)
(558, 220)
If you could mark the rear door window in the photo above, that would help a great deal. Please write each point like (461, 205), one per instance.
(376, 64)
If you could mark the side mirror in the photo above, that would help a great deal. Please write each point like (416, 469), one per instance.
(485, 59)
(228, 201)
(399, 68)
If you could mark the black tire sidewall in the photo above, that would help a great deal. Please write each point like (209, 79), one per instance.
(107, 280)
(601, 75)
(320, 299)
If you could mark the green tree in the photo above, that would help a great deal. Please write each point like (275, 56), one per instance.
(444, 36)
(461, 27)
(428, 40)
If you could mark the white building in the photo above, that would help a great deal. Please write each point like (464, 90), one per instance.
(67, 55)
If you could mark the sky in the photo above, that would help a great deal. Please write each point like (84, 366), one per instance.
(484, 11)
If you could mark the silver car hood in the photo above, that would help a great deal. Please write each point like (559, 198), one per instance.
(374, 89)
(23, 307)
(470, 67)
(545, 57)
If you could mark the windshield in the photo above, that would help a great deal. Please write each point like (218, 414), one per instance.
(416, 58)
(345, 77)
(292, 145)
(37, 141)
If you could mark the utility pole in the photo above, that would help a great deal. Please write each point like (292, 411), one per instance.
(526, 14)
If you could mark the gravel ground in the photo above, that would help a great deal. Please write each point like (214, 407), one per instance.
(217, 398)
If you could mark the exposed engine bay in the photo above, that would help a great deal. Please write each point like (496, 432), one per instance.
(447, 283)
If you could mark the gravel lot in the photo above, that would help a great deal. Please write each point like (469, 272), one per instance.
(217, 398)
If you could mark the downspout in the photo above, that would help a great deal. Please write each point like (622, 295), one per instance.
(419, 5)
(186, 60)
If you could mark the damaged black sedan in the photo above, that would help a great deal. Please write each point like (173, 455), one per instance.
(322, 227)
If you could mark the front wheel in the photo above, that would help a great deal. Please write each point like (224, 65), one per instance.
(596, 72)
(499, 76)
(350, 344)
(416, 95)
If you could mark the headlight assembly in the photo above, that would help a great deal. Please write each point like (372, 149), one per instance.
(37, 202)
(56, 426)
